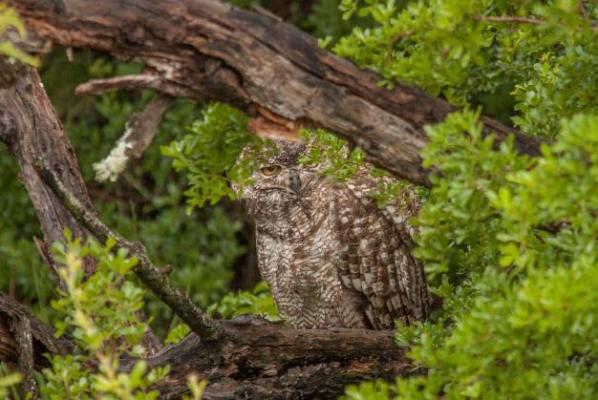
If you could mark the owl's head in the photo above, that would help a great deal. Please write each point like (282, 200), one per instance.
(281, 184)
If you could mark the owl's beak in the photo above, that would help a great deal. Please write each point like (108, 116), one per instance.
(295, 182)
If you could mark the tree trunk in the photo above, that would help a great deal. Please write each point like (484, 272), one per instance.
(31, 130)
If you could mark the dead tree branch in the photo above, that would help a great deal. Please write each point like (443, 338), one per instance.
(218, 52)
(139, 134)
(30, 129)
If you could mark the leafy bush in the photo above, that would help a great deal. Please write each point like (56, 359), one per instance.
(7, 381)
(454, 48)
(508, 241)
(520, 300)
(102, 332)
(258, 302)
(208, 154)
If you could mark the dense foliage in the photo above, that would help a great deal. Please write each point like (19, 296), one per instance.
(102, 332)
(509, 242)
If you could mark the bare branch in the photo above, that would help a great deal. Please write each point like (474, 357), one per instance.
(529, 20)
(139, 134)
(140, 81)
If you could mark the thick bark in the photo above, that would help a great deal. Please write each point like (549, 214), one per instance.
(31, 130)
(262, 360)
(209, 49)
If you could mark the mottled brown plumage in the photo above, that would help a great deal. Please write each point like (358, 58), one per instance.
(332, 258)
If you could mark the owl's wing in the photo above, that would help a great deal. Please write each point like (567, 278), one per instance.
(376, 259)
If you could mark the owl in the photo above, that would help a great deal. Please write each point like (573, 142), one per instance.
(331, 256)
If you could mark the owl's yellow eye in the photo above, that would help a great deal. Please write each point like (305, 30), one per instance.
(310, 165)
(270, 170)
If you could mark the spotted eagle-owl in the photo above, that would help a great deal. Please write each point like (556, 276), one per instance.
(333, 258)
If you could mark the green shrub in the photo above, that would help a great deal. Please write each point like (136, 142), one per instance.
(508, 241)
(102, 314)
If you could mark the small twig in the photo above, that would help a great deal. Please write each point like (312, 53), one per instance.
(181, 304)
(24, 341)
(264, 11)
(145, 80)
(99, 86)
(69, 54)
(399, 37)
(525, 20)
(509, 18)
(139, 134)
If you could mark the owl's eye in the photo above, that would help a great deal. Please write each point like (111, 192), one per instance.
(310, 164)
(271, 170)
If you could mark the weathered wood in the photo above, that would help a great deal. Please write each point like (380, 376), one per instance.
(209, 49)
(31, 130)
(263, 360)
(42, 336)
(257, 360)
